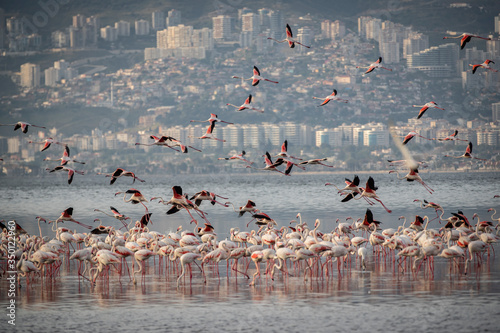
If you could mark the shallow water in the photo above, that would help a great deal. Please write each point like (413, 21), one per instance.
(382, 298)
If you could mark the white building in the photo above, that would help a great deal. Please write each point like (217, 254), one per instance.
(141, 27)
(30, 75)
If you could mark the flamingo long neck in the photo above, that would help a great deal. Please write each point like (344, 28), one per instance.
(318, 223)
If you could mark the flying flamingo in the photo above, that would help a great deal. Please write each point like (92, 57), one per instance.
(159, 141)
(289, 38)
(246, 105)
(178, 143)
(376, 64)
(316, 161)
(430, 205)
(413, 176)
(119, 172)
(213, 117)
(65, 158)
(255, 77)
(179, 201)
(209, 133)
(116, 214)
(485, 65)
(135, 198)
(237, 157)
(249, 207)
(331, 97)
(425, 107)
(452, 137)
(465, 38)
(21, 125)
(411, 135)
(351, 185)
(71, 171)
(284, 151)
(47, 142)
(67, 215)
(262, 219)
(205, 195)
(369, 192)
(467, 154)
(270, 166)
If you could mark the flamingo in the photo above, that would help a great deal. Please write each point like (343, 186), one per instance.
(317, 161)
(369, 193)
(262, 219)
(257, 257)
(413, 176)
(135, 198)
(205, 195)
(284, 151)
(256, 78)
(411, 135)
(188, 259)
(116, 214)
(331, 97)
(485, 65)
(71, 171)
(179, 201)
(209, 133)
(47, 142)
(22, 125)
(158, 141)
(141, 256)
(237, 157)
(119, 172)
(430, 205)
(425, 107)
(376, 64)
(467, 154)
(270, 166)
(213, 117)
(249, 207)
(351, 186)
(289, 38)
(452, 137)
(65, 158)
(246, 105)
(465, 38)
(178, 143)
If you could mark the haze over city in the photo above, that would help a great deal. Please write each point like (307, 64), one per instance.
(102, 78)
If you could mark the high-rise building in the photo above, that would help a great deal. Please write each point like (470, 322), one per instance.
(141, 27)
(276, 24)
(415, 43)
(333, 30)
(203, 38)
(173, 18)
(437, 61)
(14, 26)
(264, 17)
(3, 32)
(493, 47)
(250, 23)
(30, 75)
(497, 24)
(495, 110)
(158, 20)
(305, 36)
(221, 27)
(78, 21)
(59, 39)
(52, 76)
(109, 33)
(123, 28)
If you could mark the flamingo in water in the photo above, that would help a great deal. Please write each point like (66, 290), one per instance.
(376, 64)
(246, 105)
(256, 78)
(22, 125)
(485, 65)
(289, 38)
(467, 154)
(465, 38)
(425, 107)
(331, 97)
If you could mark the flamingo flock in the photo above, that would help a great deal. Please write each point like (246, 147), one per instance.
(298, 251)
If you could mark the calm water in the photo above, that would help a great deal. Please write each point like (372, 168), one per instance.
(379, 299)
